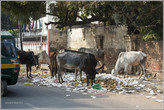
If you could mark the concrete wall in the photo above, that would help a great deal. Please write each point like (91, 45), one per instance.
(87, 36)
(112, 41)
(154, 60)
(57, 39)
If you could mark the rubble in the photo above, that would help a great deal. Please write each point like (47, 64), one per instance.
(68, 95)
(93, 97)
(103, 83)
(161, 101)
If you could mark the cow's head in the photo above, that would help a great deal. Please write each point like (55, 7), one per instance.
(114, 72)
(36, 59)
(33, 58)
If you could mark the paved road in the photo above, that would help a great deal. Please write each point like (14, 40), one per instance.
(33, 97)
(21, 96)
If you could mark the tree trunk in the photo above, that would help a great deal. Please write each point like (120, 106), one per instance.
(20, 34)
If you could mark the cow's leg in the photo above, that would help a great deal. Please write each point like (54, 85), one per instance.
(52, 71)
(27, 70)
(76, 75)
(93, 81)
(59, 72)
(126, 71)
(80, 75)
(143, 71)
(30, 70)
(87, 79)
(55, 71)
(60, 75)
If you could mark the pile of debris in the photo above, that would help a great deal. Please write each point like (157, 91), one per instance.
(107, 81)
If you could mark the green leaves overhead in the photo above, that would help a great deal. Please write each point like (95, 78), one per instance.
(139, 16)
(24, 10)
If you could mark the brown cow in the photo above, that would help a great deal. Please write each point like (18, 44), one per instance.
(53, 63)
(50, 60)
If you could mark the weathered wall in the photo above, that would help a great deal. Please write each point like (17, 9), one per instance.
(90, 37)
(80, 37)
(86, 37)
(154, 60)
(114, 40)
(57, 39)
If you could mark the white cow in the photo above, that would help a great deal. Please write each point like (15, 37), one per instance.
(43, 59)
(127, 59)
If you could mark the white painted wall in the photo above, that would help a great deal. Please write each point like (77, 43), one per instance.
(85, 37)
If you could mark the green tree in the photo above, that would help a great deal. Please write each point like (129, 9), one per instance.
(144, 17)
(6, 23)
(23, 11)
(14, 32)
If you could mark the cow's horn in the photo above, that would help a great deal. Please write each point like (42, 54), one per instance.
(100, 68)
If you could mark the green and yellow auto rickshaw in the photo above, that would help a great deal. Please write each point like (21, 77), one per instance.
(10, 65)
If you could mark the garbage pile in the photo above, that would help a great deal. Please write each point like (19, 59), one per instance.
(104, 83)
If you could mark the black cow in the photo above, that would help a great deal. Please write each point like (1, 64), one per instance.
(29, 59)
(79, 61)
(98, 53)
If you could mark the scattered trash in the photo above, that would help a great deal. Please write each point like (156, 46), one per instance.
(97, 86)
(152, 92)
(30, 84)
(49, 86)
(84, 93)
(68, 95)
(148, 97)
(93, 97)
(159, 101)
(103, 83)
(153, 97)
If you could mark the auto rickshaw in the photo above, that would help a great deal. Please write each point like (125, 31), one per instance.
(10, 64)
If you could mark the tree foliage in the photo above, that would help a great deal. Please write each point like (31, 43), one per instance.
(6, 23)
(140, 16)
(14, 32)
(24, 10)
(144, 17)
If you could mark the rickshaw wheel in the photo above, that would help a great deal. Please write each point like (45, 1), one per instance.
(3, 87)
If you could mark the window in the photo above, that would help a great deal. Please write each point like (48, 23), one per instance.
(7, 48)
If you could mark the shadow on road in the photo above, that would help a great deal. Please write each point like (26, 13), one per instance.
(23, 97)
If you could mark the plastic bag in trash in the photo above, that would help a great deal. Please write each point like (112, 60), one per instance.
(97, 86)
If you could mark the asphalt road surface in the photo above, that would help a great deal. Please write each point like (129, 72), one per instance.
(22, 96)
